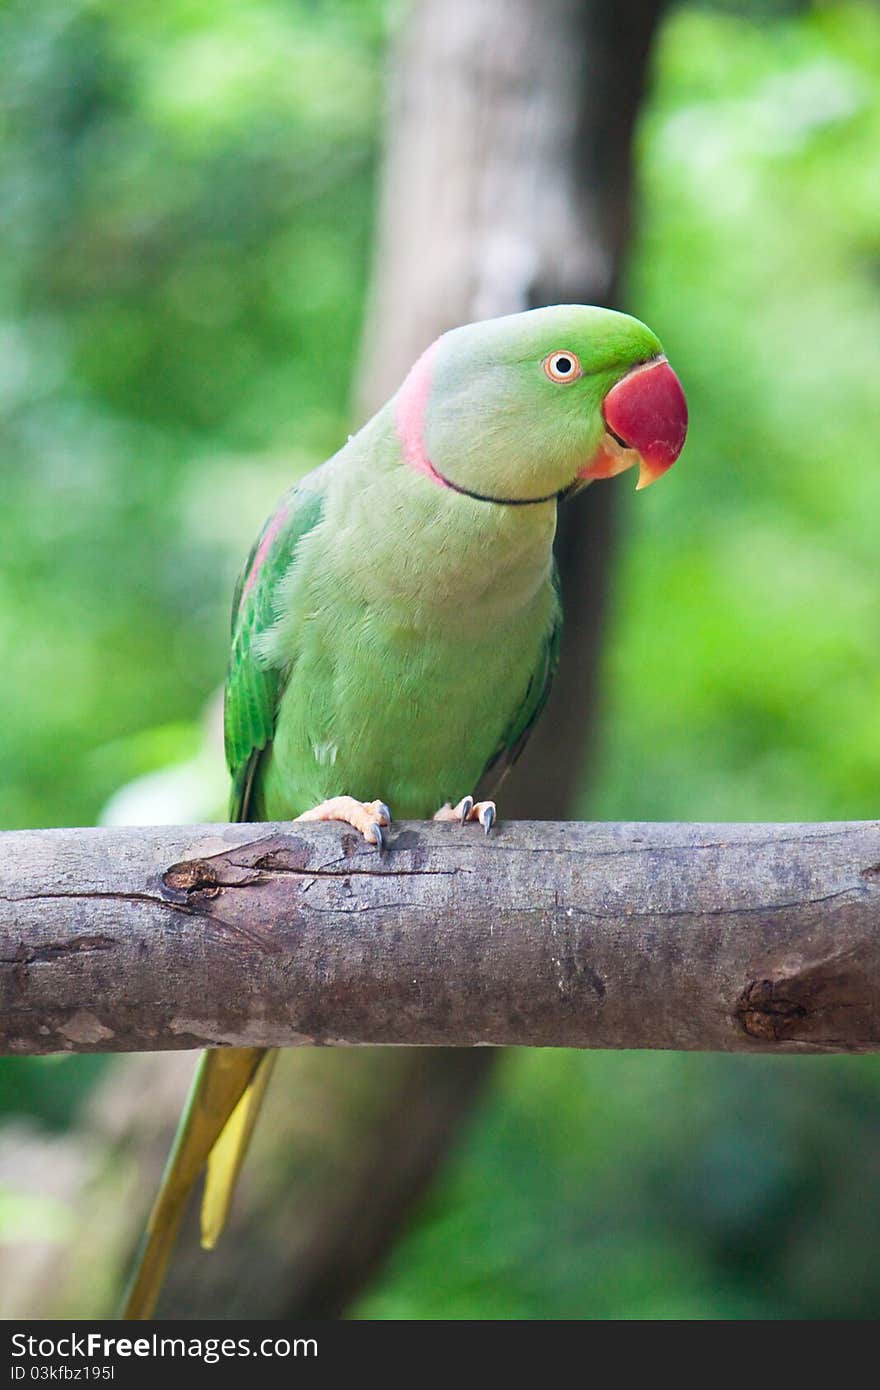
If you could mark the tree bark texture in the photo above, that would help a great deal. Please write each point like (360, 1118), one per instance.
(722, 937)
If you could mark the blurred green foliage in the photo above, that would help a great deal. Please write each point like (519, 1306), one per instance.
(186, 197)
(185, 194)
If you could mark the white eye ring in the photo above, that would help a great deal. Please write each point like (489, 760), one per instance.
(563, 366)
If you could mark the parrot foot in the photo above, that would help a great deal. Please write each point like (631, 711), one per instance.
(369, 817)
(468, 809)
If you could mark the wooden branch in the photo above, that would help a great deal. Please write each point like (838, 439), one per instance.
(727, 937)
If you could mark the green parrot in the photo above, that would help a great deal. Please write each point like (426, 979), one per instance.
(396, 627)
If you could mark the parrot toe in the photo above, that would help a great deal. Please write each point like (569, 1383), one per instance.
(369, 817)
(467, 809)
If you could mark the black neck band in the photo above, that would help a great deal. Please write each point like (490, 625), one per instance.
(502, 501)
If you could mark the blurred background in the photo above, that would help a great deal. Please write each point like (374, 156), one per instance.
(208, 214)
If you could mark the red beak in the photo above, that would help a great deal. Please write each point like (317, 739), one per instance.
(647, 412)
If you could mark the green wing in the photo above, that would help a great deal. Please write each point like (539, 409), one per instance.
(254, 689)
(517, 733)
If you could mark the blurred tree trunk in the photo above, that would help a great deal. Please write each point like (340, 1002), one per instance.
(507, 184)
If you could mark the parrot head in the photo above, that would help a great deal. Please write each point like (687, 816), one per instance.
(527, 407)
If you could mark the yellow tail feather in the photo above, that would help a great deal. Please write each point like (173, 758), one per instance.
(223, 1077)
(227, 1155)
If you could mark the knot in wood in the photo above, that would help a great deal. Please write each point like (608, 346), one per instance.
(767, 1013)
(193, 876)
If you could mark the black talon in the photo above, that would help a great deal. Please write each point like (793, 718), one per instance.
(380, 838)
(384, 811)
(488, 818)
(467, 806)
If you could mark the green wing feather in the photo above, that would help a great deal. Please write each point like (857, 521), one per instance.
(253, 689)
(230, 1082)
(518, 732)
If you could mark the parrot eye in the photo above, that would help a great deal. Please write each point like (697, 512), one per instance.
(563, 366)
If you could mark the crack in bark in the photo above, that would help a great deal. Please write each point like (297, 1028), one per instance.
(699, 912)
(93, 895)
(53, 949)
(498, 846)
(325, 872)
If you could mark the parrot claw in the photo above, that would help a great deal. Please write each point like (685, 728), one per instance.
(468, 809)
(369, 817)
